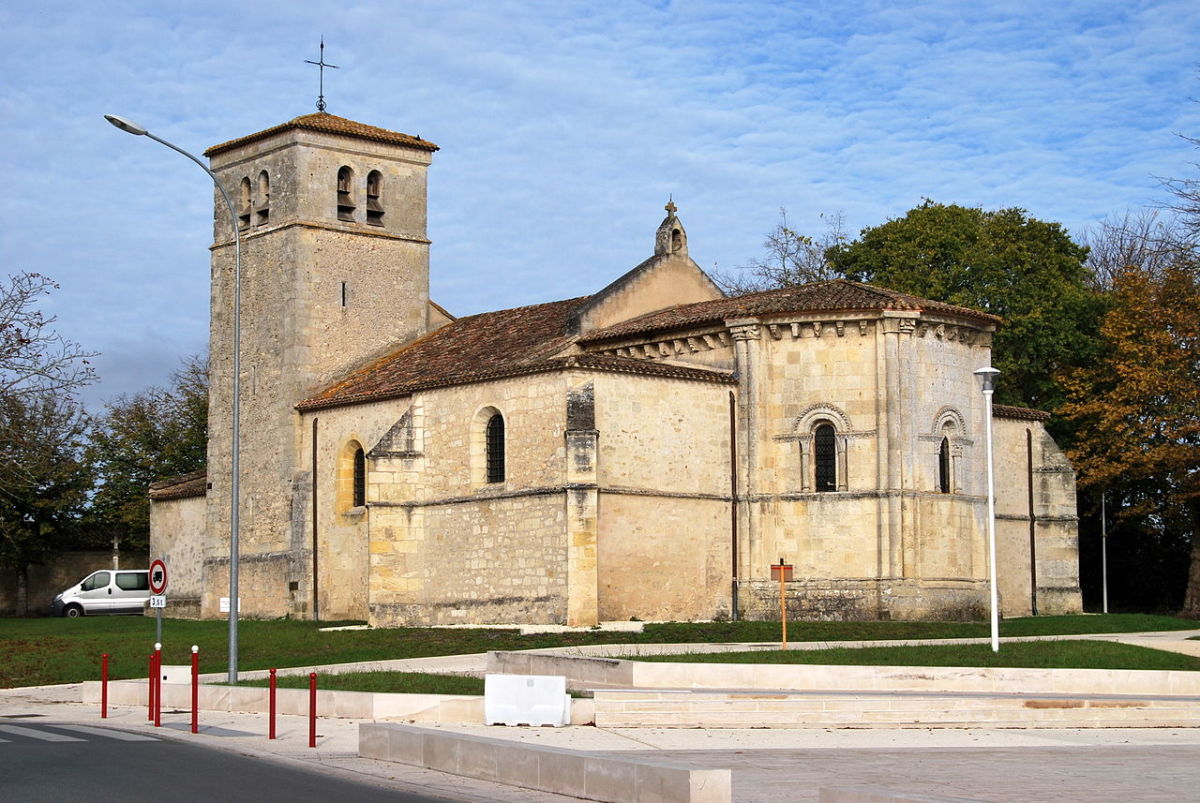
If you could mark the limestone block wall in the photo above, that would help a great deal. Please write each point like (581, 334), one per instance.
(436, 543)
(322, 291)
(664, 537)
(1039, 484)
(888, 542)
(177, 536)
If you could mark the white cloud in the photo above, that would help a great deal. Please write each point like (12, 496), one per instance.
(565, 125)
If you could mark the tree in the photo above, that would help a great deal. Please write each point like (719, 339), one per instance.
(34, 359)
(1027, 271)
(791, 258)
(44, 479)
(1146, 239)
(160, 432)
(1138, 407)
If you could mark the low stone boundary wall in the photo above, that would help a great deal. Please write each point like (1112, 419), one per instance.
(583, 672)
(565, 772)
(665, 708)
(450, 708)
(338, 704)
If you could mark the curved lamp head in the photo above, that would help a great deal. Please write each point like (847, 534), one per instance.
(988, 377)
(126, 125)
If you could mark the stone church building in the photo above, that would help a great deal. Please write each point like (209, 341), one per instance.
(647, 451)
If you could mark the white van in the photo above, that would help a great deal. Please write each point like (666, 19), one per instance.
(106, 591)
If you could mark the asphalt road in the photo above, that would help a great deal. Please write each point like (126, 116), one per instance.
(42, 760)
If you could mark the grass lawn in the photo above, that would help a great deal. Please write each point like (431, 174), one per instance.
(44, 651)
(1073, 654)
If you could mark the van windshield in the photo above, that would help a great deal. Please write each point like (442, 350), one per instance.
(97, 580)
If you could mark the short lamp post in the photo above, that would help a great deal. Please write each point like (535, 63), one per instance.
(987, 377)
(135, 129)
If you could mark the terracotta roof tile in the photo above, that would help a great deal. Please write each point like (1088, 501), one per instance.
(182, 487)
(477, 348)
(328, 124)
(839, 295)
(1020, 413)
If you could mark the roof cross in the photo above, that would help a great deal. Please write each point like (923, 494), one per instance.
(671, 207)
(322, 64)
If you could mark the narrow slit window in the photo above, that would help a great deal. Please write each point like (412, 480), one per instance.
(825, 455)
(345, 194)
(944, 466)
(360, 477)
(374, 198)
(495, 448)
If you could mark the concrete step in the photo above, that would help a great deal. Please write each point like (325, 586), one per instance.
(759, 708)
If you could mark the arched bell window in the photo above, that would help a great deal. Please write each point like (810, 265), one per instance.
(375, 198)
(243, 221)
(262, 212)
(345, 194)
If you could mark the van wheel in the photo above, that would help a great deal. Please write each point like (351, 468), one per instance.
(73, 611)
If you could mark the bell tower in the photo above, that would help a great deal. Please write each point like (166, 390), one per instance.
(335, 271)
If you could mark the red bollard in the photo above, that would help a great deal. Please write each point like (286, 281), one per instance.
(271, 697)
(158, 685)
(104, 686)
(312, 709)
(150, 687)
(195, 688)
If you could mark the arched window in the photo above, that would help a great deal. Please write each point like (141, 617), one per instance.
(345, 194)
(374, 196)
(263, 212)
(825, 457)
(360, 477)
(495, 448)
(243, 220)
(944, 466)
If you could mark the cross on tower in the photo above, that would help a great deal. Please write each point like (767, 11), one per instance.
(322, 65)
(671, 207)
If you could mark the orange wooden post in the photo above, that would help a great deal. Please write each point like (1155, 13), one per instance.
(783, 572)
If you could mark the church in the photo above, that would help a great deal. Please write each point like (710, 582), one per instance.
(647, 452)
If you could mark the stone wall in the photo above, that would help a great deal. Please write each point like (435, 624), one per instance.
(63, 571)
(322, 292)
(177, 536)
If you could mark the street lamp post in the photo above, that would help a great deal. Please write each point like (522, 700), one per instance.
(988, 378)
(135, 129)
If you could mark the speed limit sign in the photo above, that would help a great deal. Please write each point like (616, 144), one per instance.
(158, 577)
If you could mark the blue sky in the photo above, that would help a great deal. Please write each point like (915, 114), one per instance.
(564, 126)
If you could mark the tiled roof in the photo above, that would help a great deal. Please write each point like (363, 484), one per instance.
(839, 295)
(181, 487)
(329, 124)
(1020, 413)
(491, 345)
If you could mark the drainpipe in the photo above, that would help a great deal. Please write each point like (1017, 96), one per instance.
(315, 551)
(1033, 602)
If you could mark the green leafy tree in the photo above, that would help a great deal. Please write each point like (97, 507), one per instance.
(1027, 271)
(158, 433)
(1137, 408)
(44, 479)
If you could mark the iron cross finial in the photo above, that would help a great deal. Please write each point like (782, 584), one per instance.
(322, 64)
(671, 207)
